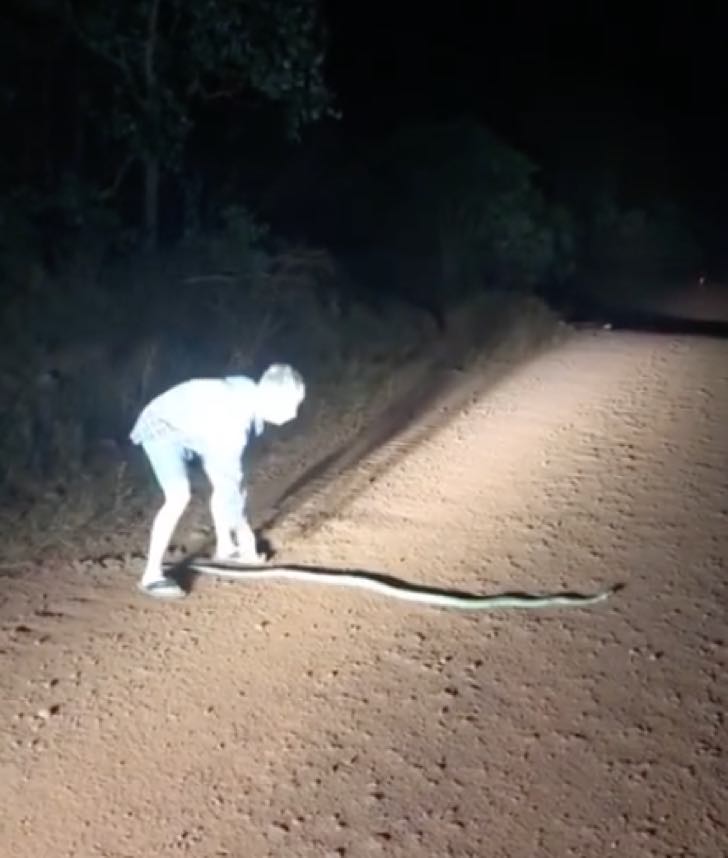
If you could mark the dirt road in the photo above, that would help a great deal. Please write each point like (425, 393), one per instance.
(295, 720)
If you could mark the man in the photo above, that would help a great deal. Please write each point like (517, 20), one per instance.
(211, 418)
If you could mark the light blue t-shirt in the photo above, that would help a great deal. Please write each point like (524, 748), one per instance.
(203, 414)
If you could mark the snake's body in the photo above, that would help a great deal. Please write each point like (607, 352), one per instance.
(388, 586)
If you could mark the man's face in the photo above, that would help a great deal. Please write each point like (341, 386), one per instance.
(280, 404)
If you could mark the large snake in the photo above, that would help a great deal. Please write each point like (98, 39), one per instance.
(394, 587)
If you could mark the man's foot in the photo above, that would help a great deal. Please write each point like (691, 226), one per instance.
(162, 588)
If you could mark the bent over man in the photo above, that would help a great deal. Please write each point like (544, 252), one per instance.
(211, 418)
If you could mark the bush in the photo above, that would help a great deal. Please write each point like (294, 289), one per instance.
(81, 357)
(465, 206)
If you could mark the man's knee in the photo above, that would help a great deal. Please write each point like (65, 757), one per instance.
(228, 501)
(169, 463)
(177, 495)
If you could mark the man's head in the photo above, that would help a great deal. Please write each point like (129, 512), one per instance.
(280, 393)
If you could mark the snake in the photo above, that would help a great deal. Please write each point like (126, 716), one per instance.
(396, 588)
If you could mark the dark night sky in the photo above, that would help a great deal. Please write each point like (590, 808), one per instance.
(649, 80)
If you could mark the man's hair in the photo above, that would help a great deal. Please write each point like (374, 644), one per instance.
(282, 375)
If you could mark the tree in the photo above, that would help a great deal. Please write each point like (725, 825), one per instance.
(168, 56)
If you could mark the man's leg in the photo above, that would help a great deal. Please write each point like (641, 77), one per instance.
(227, 507)
(247, 549)
(168, 463)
